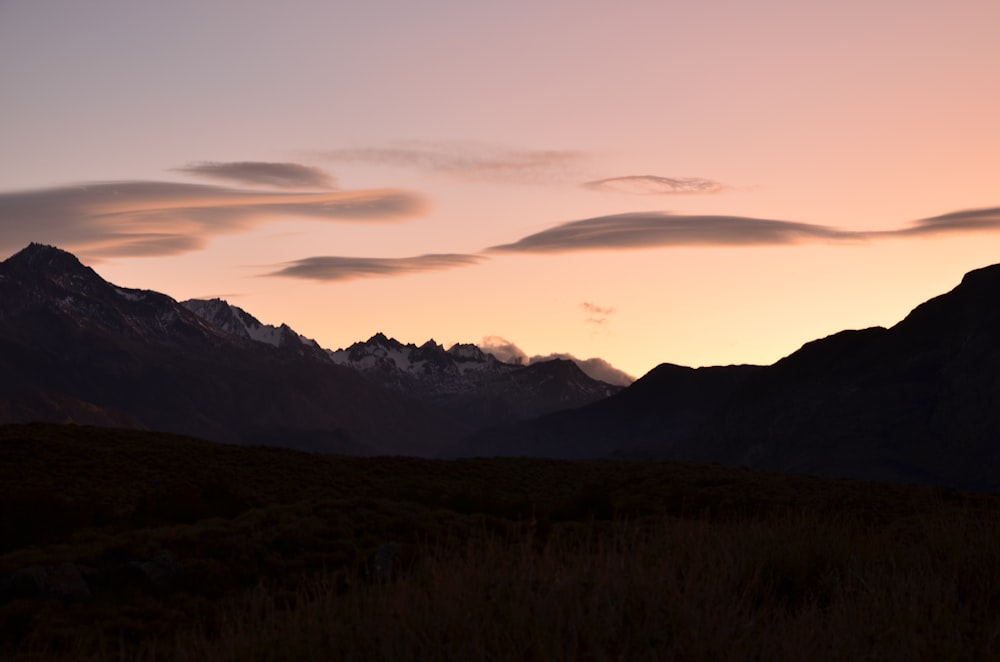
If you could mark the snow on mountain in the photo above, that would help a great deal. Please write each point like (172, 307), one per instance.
(128, 294)
(463, 377)
(428, 369)
(242, 324)
(472, 383)
(80, 349)
(204, 367)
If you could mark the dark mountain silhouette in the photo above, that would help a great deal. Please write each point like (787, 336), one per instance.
(75, 348)
(661, 409)
(918, 402)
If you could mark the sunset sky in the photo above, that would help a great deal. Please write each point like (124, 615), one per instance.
(696, 183)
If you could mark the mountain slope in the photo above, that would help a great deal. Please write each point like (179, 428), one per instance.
(240, 323)
(918, 402)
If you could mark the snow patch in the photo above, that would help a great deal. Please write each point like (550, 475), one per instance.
(238, 322)
(128, 295)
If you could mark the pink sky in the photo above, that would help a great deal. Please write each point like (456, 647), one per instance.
(698, 183)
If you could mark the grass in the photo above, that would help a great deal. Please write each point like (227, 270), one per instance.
(495, 559)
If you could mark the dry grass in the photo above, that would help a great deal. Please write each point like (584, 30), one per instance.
(788, 589)
(525, 560)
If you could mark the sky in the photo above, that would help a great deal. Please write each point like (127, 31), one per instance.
(641, 182)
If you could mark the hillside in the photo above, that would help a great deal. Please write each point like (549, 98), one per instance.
(918, 402)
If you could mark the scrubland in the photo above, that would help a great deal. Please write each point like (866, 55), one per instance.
(276, 555)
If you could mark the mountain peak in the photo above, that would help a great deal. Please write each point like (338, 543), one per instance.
(40, 264)
(986, 277)
(36, 256)
(968, 308)
(381, 340)
(469, 352)
(36, 248)
(431, 345)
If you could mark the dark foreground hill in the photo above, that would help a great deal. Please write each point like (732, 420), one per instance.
(130, 545)
(918, 402)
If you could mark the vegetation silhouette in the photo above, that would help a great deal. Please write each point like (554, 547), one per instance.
(122, 544)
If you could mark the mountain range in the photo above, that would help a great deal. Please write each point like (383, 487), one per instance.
(917, 402)
(475, 386)
(75, 348)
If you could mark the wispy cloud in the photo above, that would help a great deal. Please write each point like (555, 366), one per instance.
(594, 309)
(653, 229)
(141, 218)
(636, 231)
(333, 268)
(968, 220)
(468, 161)
(262, 173)
(663, 229)
(654, 185)
(597, 315)
(503, 349)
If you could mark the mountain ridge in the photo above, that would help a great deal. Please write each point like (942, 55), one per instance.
(76, 348)
(916, 402)
(473, 384)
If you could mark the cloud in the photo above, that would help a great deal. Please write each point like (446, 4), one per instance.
(144, 218)
(969, 220)
(260, 173)
(504, 350)
(597, 310)
(467, 161)
(659, 229)
(663, 229)
(598, 314)
(630, 231)
(653, 185)
(331, 268)
(595, 368)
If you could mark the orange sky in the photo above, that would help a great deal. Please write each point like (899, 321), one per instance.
(698, 183)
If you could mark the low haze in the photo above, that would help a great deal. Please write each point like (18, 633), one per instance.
(635, 183)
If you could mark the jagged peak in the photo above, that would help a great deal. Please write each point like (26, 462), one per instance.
(381, 339)
(468, 351)
(205, 304)
(431, 345)
(214, 301)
